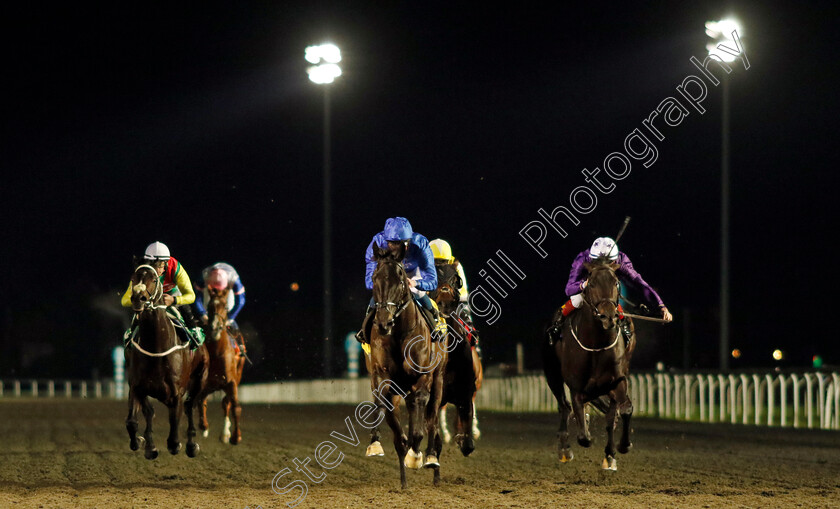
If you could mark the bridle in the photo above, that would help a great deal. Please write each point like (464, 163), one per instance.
(400, 306)
(141, 287)
(606, 299)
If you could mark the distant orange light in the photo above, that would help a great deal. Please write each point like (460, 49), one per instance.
(778, 355)
(736, 354)
(294, 286)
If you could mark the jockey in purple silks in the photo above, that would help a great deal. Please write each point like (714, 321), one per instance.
(603, 247)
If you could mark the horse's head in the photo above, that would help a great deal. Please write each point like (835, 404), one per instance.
(390, 288)
(602, 292)
(448, 291)
(217, 307)
(146, 289)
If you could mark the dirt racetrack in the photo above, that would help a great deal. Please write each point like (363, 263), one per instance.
(75, 454)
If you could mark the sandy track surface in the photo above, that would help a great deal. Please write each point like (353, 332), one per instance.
(75, 454)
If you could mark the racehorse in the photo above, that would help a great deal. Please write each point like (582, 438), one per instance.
(159, 366)
(404, 362)
(464, 372)
(593, 361)
(225, 368)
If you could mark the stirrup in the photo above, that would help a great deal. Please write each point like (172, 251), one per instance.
(360, 336)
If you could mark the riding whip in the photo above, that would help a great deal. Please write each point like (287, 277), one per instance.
(623, 227)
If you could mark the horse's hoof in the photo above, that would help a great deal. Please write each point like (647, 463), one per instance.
(467, 445)
(151, 453)
(625, 448)
(234, 440)
(174, 449)
(476, 433)
(566, 456)
(609, 464)
(413, 459)
(137, 443)
(375, 449)
(193, 449)
(584, 442)
(225, 439)
(205, 433)
(431, 462)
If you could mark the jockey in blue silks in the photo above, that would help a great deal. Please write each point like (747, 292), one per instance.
(419, 264)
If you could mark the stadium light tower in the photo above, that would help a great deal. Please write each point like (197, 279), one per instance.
(324, 71)
(721, 32)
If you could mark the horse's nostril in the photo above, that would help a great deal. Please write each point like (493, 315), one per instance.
(143, 299)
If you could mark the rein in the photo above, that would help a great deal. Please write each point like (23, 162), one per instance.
(149, 305)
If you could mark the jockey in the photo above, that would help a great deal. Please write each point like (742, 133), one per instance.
(418, 263)
(220, 276)
(177, 288)
(442, 252)
(603, 247)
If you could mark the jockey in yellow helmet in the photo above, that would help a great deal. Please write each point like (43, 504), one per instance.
(442, 252)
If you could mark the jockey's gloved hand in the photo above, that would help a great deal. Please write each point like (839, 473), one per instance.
(666, 315)
(204, 319)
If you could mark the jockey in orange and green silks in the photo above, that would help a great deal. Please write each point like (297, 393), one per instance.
(177, 288)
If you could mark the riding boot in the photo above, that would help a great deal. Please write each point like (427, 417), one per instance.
(555, 331)
(196, 333)
(360, 336)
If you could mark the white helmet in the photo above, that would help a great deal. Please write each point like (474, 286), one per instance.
(604, 247)
(156, 251)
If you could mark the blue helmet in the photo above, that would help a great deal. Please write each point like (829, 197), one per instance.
(397, 229)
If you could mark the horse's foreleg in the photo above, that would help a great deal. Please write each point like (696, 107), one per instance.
(131, 421)
(189, 406)
(203, 425)
(564, 451)
(463, 425)
(151, 451)
(434, 445)
(392, 417)
(444, 425)
(584, 438)
(625, 409)
(416, 405)
(475, 430)
(224, 437)
(233, 395)
(609, 449)
(176, 409)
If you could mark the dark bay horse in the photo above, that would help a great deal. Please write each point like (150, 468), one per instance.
(225, 368)
(593, 361)
(404, 363)
(464, 372)
(159, 366)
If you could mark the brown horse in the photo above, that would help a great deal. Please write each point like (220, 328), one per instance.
(593, 361)
(404, 363)
(225, 369)
(159, 366)
(464, 372)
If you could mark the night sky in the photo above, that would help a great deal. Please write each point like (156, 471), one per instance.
(197, 126)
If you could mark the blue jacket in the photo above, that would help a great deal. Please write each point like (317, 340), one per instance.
(419, 255)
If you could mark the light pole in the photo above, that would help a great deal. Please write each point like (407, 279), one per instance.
(325, 70)
(721, 31)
